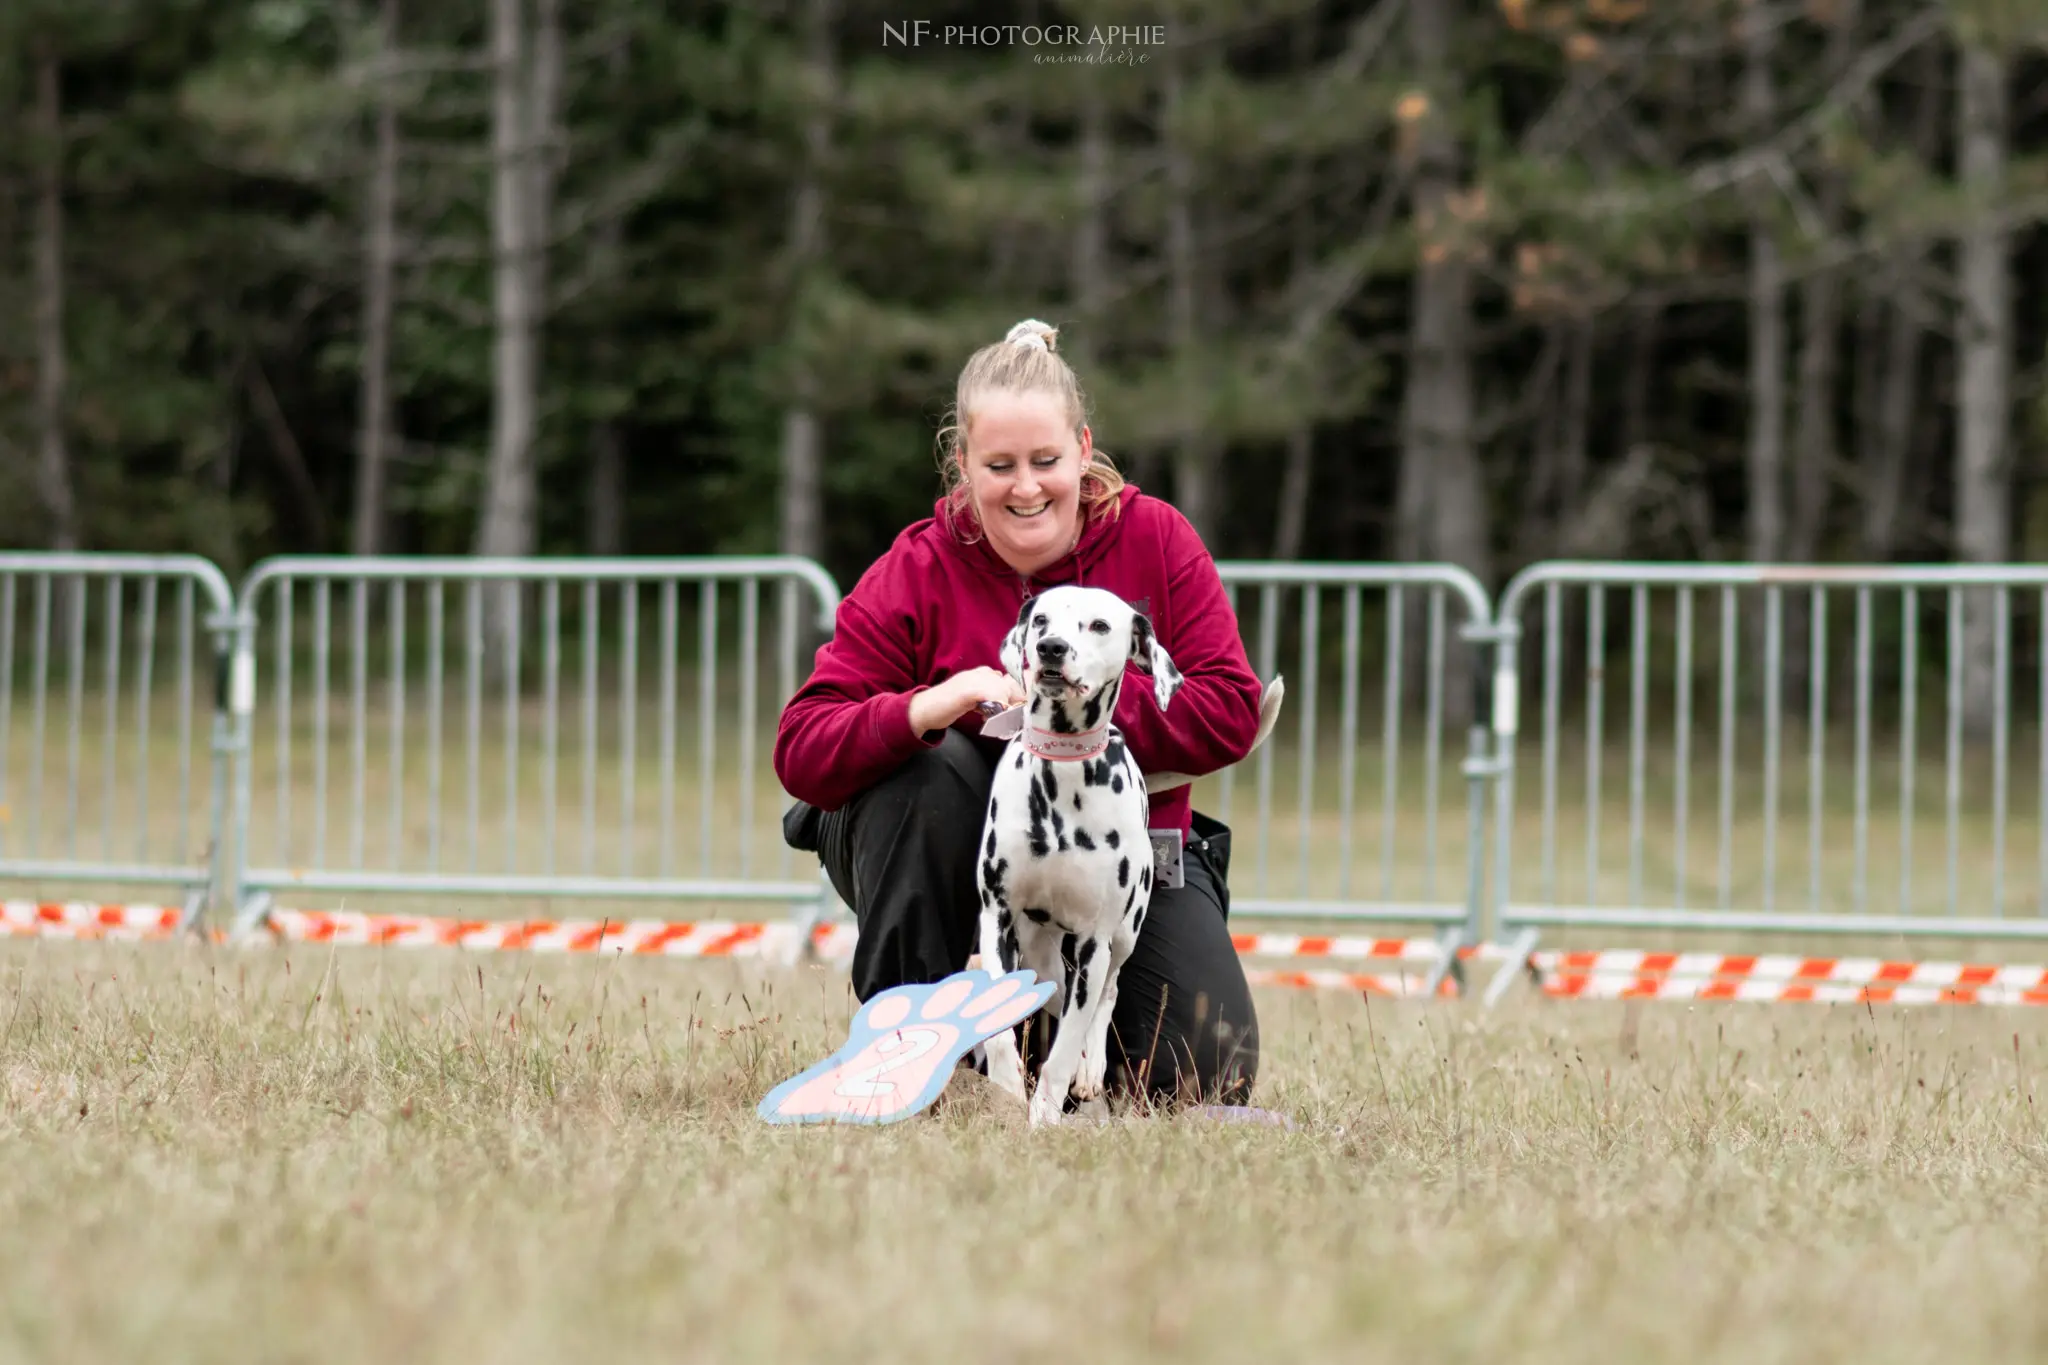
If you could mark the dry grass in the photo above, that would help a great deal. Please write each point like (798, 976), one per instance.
(379, 1155)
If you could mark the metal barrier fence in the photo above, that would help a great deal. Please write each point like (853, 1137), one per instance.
(134, 630)
(1789, 750)
(517, 728)
(1767, 653)
(1430, 623)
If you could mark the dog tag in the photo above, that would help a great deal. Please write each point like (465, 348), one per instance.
(1003, 724)
(1166, 869)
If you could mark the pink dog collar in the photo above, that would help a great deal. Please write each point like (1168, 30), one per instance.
(1008, 723)
(1065, 748)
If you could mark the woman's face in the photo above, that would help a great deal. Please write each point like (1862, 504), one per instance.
(1024, 466)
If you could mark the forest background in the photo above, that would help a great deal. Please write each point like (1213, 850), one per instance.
(1675, 279)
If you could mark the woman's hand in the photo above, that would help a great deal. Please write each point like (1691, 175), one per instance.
(935, 708)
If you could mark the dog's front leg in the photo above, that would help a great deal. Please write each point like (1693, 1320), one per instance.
(1077, 1026)
(1005, 1064)
(1091, 1080)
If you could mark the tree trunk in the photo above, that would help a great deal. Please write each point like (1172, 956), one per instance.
(544, 153)
(291, 460)
(508, 524)
(1091, 233)
(1820, 323)
(1895, 409)
(1440, 460)
(803, 478)
(607, 525)
(1983, 494)
(1642, 372)
(1766, 465)
(1290, 517)
(53, 459)
(1443, 495)
(1814, 435)
(380, 253)
(1866, 399)
(1574, 456)
(605, 498)
(1196, 451)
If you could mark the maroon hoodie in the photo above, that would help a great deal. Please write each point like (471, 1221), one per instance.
(935, 605)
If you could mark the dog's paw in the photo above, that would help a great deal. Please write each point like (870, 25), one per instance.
(1089, 1080)
(902, 1048)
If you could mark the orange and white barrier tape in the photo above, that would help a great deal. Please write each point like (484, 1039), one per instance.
(1403, 985)
(1610, 975)
(1342, 948)
(76, 919)
(665, 938)
(1634, 975)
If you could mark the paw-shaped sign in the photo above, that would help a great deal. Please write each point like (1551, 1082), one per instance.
(903, 1047)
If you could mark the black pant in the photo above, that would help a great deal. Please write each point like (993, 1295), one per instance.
(902, 853)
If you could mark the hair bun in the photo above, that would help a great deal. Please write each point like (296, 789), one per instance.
(1032, 332)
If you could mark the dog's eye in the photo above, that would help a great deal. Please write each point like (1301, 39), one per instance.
(1039, 620)
(1100, 627)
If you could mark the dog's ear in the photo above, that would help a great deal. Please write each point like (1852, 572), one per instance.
(1013, 641)
(1150, 655)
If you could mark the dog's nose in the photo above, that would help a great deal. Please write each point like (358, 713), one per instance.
(1052, 651)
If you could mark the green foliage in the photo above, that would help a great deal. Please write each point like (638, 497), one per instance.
(215, 161)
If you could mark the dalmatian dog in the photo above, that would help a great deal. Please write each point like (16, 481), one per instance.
(1066, 860)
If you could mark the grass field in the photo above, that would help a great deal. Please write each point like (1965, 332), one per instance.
(308, 1154)
(348, 1155)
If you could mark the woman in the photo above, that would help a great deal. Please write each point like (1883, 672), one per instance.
(882, 748)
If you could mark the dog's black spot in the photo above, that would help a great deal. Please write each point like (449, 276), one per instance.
(1081, 839)
(1059, 831)
(993, 871)
(1112, 838)
(1077, 800)
(1052, 784)
(1130, 897)
(1002, 920)
(1036, 702)
(1006, 950)
(1116, 783)
(1062, 723)
(991, 841)
(991, 808)
(1079, 973)
(1123, 871)
(1068, 947)
(1035, 805)
(1138, 920)
(1092, 712)
(1145, 877)
(1036, 915)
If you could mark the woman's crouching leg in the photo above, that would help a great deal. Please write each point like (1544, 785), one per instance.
(1185, 1030)
(901, 855)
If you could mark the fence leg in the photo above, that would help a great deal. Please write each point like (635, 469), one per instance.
(248, 912)
(1519, 953)
(809, 915)
(253, 914)
(1448, 964)
(228, 741)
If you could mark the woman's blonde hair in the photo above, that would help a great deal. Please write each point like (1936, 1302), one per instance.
(1024, 361)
